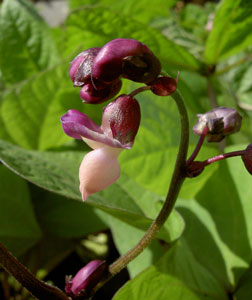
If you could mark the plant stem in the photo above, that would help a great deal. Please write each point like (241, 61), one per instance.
(140, 90)
(211, 93)
(39, 289)
(222, 156)
(216, 158)
(175, 185)
(198, 146)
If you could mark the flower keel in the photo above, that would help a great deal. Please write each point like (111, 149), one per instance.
(99, 169)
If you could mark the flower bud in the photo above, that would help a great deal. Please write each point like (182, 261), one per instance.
(85, 279)
(126, 57)
(99, 92)
(80, 69)
(247, 158)
(163, 86)
(220, 122)
(121, 119)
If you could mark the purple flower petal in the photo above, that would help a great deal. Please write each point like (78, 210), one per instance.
(107, 64)
(78, 125)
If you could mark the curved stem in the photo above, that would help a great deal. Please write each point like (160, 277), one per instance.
(175, 185)
(198, 146)
(39, 289)
(140, 90)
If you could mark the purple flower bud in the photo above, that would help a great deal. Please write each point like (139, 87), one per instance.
(99, 92)
(81, 66)
(121, 119)
(86, 279)
(126, 57)
(163, 86)
(247, 158)
(220, 122)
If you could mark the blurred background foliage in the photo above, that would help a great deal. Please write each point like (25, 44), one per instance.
(204, 249)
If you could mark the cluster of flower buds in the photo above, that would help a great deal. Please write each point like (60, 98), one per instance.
(98, 70)
(220, 122)
(82, 283)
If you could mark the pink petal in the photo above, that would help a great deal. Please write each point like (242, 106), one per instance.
(98, 170)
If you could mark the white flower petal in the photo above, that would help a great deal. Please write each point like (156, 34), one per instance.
(99, 169)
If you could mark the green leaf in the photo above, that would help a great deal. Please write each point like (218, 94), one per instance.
(31, 112)
(231, 31)
(95, 26)
(219, 222)
(177, 275)
(244, 290)
(242, 181)
(25, 42)
(137, 10)
(151, 161)
(67, 218)
(58, 172)
(18, 226)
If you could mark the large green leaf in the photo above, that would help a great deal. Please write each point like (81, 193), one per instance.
(219, 222)
(231, 31)
(18, 226)
(58, 172)
(243, 183)
(31, 112)
(177, 275)
(25, 42)
(151, 161)
(65, 217)
(95, 26)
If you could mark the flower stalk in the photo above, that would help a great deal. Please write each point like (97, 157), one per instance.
(175, 185)
(39, 289)
(198, 147)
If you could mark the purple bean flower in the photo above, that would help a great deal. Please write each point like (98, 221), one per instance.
(86, 278)
(128, 58)
(120, 122)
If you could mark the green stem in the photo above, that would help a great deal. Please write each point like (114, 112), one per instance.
(39, 289)
(211, 93)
